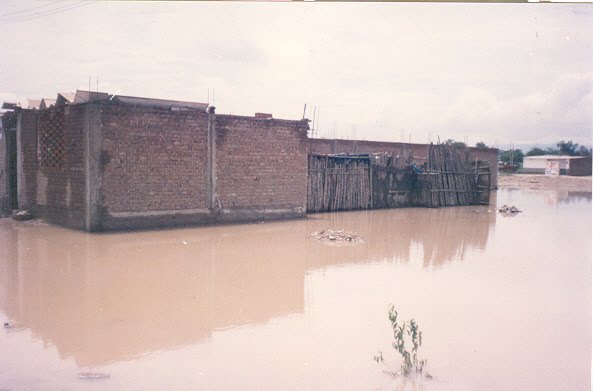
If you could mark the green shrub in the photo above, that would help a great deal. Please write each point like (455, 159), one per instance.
(404, 334)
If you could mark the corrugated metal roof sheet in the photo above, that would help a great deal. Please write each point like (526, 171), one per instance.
(46, 103)
(160, 103)
(65, 97)
(82, 96)
(89, 96)
(33, 103)
(10, 105)
(553, 157)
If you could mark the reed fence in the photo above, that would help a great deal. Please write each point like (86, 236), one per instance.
(450, 180)
(338, 183)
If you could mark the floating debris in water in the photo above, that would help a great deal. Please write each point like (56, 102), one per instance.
(92, 376)
(22, 215)
(337, 236)
(506, 210)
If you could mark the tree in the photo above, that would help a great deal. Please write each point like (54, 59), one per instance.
(567, 148)
(572, 149)
(515, 154)
(481, 145)
(454, 143)
(536, 152)
(584, 151)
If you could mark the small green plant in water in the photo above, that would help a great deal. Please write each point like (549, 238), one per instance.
(402, 331)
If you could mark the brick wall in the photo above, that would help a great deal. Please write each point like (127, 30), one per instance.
(8, 146)
(580, 167)
(152, 159)
(60, 158)
(416, 153)
(50, 154)
(28, 157)
(4, 196)
(261, 163)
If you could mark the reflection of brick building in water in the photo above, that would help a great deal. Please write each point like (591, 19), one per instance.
(557, 197)
(104, 298)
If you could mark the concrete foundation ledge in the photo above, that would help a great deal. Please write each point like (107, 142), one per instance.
(175, 218)
(539, 171)
(247, 215)
(159, 213)
(155, 219)
(121, 221)
(69, 218)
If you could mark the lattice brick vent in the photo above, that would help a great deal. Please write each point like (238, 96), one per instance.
(51, 139)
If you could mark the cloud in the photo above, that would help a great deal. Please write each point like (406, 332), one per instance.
(485, 72)
(8, 97)
(564, 110)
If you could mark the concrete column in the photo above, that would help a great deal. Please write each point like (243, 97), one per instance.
(20, 156)
(92, 166)
(4, 191)
(211, 161)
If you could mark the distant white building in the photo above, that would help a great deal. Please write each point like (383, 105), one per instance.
(556, 165)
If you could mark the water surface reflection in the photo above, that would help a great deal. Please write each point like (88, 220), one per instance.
(181, 308)
(110, 297)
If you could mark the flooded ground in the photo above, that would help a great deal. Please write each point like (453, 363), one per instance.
(504, 303)
(533, 181)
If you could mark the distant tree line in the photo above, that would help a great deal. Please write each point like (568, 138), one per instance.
(516, 155)
(454, 143)
(563, 148)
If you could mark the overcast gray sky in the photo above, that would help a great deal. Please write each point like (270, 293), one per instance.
(477, 72)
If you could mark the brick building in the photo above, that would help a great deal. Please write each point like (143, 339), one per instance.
(132, 162)
(561, 164)
(8, 194)
(94, 161)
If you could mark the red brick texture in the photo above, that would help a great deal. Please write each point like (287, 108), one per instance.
(417, 153)
(53, 169)
(4, 201)
(153, 159)
(28, 152)
(51, 179)
(261, 163)
(60, 157)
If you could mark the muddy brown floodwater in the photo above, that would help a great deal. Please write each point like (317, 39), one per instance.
(532, 181)
(504, 303)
